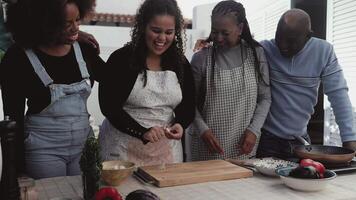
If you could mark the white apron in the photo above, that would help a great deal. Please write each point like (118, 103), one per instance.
(150, 105)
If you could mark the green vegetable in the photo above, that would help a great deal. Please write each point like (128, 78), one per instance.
(90, 165)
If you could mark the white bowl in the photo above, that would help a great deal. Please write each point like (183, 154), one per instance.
(269, 166)
(303, 184)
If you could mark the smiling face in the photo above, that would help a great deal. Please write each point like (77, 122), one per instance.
(225, 32)
(160, 34)
(70, 33)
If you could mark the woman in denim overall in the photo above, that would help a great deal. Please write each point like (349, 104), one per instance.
(46, 68)
(57, 134)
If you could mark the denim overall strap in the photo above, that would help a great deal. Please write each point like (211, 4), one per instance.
(80, 60)
(38, 67)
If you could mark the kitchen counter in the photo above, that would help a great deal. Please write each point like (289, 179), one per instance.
(257, 187)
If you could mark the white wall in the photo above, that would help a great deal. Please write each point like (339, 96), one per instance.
(341, 26)
(201, 18)
(262, 16)
(110, 39)
(118, 6)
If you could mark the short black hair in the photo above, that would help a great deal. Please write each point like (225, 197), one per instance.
(41, 22)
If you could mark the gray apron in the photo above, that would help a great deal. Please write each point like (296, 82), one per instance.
(57, 134)
(230, 102)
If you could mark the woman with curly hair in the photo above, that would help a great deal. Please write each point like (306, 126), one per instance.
(153, 82)
(54, 73)
(232, 84)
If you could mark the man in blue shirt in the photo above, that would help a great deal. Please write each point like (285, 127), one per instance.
(298, 64)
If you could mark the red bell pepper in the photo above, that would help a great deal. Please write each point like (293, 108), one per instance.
(107, 193)
(317, 165)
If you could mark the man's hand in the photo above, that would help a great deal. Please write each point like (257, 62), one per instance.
(247, 142)
(154, 134)
(89, 39)
(174, 132)
(350, 145)
(212, 143)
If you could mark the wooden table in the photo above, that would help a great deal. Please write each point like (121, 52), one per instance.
(258, 187)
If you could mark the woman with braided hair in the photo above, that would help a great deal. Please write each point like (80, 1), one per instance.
(232, 88)
(153, 81)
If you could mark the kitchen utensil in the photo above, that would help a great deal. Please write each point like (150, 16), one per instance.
(304, 184)
(116, 171)
(193, 172)
(323, 153)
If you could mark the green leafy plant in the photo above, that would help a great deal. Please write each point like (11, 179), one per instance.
(90, 165)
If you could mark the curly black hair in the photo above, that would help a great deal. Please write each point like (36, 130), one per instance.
(173, 58)
(41, 22)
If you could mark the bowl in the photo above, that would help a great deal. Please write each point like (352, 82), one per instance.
(303, 184)
(269, 166)
(116, 171)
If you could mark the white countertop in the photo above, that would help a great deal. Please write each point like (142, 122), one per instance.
(258, 187)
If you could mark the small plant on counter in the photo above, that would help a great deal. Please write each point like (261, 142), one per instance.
(90, 165)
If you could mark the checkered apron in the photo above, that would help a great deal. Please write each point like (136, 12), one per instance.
(230, 102)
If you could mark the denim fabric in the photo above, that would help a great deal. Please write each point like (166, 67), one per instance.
(56, 135)
(273, 146)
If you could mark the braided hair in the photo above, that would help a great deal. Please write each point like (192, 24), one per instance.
(173, 58)
(237, 10)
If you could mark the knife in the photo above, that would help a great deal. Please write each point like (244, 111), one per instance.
(144, 180)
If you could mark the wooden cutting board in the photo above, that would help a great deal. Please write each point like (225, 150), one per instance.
(192, 172)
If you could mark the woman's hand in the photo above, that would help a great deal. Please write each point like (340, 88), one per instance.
(174, 132)
(212, 143)
(199, 44)
(89, 39)
(247, 142)
(154, 134)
